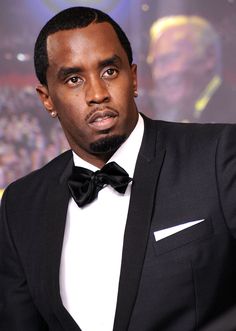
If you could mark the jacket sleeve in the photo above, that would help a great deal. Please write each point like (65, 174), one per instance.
(226, 176)
(17, 310)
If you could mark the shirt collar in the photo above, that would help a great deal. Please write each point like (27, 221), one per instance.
(127, 153)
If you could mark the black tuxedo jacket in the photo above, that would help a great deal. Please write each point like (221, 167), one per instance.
(184, 173)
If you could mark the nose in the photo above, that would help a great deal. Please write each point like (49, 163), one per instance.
(96, 91)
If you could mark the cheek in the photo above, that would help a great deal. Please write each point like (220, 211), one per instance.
(67, 108)
(124, 94)
(66, 98)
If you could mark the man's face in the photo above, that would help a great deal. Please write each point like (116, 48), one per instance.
(180, 69)
(91, 87)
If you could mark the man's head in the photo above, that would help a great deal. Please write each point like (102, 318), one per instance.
(185, 56)
(68, 19)
(83, 61)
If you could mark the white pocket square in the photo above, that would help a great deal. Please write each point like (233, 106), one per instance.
(161, 234)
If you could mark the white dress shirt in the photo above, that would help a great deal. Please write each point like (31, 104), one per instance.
(93, 243)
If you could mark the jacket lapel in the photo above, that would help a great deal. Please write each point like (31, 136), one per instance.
(148, 166)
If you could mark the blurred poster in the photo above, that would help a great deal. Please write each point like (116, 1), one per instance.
(186, 56)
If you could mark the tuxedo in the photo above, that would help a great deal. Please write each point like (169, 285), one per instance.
(185, 182)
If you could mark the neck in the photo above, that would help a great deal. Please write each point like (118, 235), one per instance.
(100, 161)
(97, 160)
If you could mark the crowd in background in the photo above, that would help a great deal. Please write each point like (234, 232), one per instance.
(28, 136)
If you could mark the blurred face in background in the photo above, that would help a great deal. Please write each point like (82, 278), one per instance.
(183, 61)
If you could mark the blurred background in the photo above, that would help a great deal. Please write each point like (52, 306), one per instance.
(186, 56)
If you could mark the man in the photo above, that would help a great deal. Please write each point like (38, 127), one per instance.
(185, 56)
(76, 254)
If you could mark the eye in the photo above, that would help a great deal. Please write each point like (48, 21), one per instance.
(110, 73)
(74, 81)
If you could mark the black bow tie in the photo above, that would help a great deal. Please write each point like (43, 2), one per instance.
(85, 184)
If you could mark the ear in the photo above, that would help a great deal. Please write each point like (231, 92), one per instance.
(134, 76)
(45, 98)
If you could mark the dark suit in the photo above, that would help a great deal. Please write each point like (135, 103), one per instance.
(184, 172)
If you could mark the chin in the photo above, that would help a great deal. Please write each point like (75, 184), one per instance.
(107, 144)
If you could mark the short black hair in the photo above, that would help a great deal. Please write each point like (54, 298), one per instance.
(72, 18)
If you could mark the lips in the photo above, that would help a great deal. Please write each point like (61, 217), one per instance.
(103, 119)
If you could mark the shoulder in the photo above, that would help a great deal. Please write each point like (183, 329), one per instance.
(202, 132)
(192, 139)
(37, 178)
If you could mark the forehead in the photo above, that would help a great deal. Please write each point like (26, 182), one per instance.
(175, 36)
(186, 37)
(84, 44)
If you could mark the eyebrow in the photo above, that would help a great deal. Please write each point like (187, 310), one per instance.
(66, 71)
(114, 60)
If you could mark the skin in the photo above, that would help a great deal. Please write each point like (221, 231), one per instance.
(90, 86)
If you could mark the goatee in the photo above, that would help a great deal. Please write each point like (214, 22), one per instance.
(107, 145)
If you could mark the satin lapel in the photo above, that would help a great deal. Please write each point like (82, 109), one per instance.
(54, 224)
(146, 174)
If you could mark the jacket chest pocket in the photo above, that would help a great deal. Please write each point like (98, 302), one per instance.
(192, 234)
